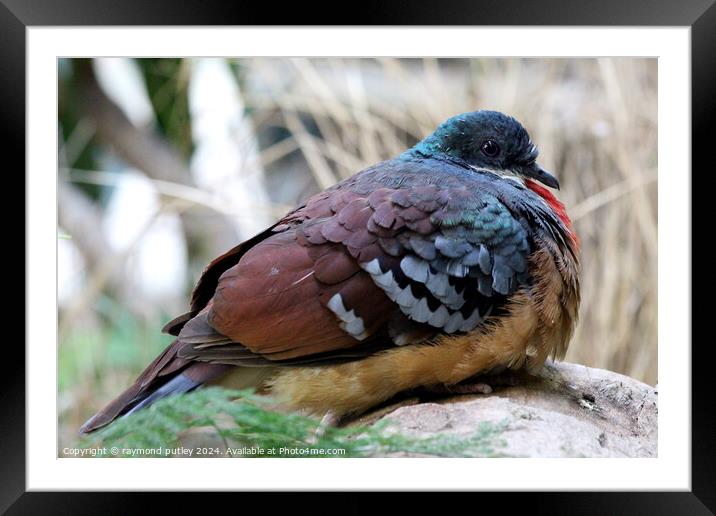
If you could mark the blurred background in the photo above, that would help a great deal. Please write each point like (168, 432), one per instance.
(166, 163)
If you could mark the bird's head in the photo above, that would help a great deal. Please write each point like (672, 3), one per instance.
(488, 140)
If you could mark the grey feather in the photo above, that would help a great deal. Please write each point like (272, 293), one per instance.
(501, 283)
(355, 328)
(454, 322)
(405, 298)
(415, 268)
(452, 248)
(437, 283)
(501, 275)
(423, 248)
(439, 264)
(484, 260)
(471, 258)
(372, 267)
(452, 299)
(384, 280)
(471, 321)
(439, 317)
(484, 285)
(420, 312)
(455, 268)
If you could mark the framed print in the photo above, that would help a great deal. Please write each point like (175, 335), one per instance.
(453, 242)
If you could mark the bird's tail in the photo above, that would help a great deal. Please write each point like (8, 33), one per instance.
(167, 375)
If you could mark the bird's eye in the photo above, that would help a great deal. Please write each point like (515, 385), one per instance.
(490, 148)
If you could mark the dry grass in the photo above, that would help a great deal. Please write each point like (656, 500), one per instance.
(320, 120)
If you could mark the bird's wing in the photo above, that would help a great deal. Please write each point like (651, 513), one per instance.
(389, 257)
(283, 300)
(205, 287)
(364, 260)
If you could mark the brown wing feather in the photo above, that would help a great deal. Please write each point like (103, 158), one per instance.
(285, 287)
(165, 367)
(206, 285)
(278, 299)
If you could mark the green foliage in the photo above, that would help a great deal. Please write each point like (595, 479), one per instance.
(240, 423)
(167, 82)
(79, 148)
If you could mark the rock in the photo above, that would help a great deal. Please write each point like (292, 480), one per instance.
(568, 410)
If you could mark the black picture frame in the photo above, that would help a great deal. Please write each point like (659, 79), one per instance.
(700, 15)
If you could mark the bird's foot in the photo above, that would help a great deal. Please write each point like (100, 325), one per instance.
(505, 378)
(460, 388)
(478, 384)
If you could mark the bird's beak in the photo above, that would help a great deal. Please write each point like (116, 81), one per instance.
(537, 173)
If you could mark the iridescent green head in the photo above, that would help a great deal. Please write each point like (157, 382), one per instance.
(487, 140)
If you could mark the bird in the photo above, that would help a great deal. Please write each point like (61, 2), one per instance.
(451, 261)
